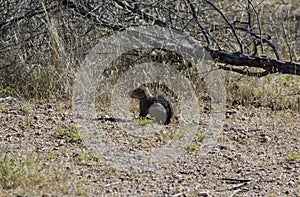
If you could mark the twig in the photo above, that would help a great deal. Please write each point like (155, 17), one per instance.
(206, 34)
(235, 187)
(178, 194)
(229, 23)
(111, 184)
(285, 34)
(231, 180)
(259, 26)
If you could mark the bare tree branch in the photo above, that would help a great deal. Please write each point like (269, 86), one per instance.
(206, 34)
(229, 23)
(259, 26)
(285, 33)
(244, 71)
(270, 65)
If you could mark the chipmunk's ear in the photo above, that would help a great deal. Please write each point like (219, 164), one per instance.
(142, 88)
(138, 92)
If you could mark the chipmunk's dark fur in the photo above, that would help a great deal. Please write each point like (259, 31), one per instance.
(146, 101)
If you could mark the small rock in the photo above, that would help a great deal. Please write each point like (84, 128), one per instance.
(231, 111)
(244, 118)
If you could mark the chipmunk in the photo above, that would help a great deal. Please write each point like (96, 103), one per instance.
(158, 106)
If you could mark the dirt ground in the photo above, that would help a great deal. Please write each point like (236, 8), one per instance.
(256, 155)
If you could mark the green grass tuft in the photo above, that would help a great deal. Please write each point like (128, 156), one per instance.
(69, 133)
(142, 121)
(200, 137)
(193, 146)
(293, 156)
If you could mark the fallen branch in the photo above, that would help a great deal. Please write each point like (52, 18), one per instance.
(268, 64)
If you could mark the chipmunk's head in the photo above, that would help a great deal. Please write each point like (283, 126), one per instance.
(140, 92)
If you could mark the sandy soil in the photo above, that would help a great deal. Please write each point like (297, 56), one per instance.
(253, 157)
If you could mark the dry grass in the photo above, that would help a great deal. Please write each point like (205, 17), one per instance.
(31, 174)
(275, 91)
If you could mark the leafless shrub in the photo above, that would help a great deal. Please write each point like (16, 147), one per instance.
(42, 43)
